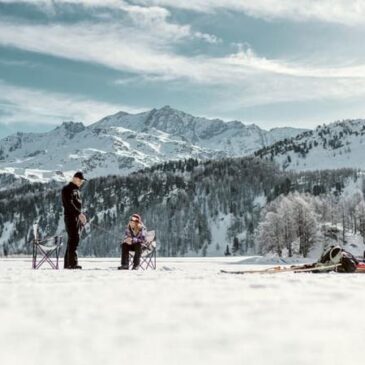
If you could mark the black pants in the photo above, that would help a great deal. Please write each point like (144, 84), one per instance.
(137, 248)
(72, 229)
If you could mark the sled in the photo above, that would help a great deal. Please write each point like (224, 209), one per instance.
(360, 268)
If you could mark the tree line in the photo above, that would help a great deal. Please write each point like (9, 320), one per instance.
(182, 201)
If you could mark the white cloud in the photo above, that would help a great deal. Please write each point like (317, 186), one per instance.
(150, 57)
(120, 48)
(152, 20)
(115, 46)
(145, 45)
(30, 105)
(248, 59)
(52, 3)
(210, 38)
(332, 11)
(155, 20)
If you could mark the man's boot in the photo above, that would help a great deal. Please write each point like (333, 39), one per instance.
(123, 267)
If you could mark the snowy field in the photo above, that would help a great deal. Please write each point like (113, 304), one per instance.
(186, 312)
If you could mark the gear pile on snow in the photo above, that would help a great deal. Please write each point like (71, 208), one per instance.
(335, 255)
(334, 258)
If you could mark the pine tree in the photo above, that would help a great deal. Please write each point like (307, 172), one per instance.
(227, 252)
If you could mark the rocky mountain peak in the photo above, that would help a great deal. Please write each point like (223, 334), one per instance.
(71, 128)
(123, 142)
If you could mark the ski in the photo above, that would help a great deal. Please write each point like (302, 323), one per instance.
(261, 271)
(280, 269)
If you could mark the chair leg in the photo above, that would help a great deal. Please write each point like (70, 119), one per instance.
(146, 262)
(34, 260)
(152, 260)
(51, 256)
(57, 252)
(47, 257)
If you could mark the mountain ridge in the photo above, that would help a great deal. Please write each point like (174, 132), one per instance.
(125, 142)
(340, 144)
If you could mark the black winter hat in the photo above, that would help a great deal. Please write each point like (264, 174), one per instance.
(80, 175)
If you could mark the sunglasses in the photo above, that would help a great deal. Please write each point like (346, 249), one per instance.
(134, 220)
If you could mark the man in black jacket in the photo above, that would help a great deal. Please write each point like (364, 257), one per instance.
(74, 219)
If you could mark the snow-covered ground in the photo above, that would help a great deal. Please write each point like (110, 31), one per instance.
(185, 312)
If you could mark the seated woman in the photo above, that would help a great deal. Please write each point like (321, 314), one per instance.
(135, 236)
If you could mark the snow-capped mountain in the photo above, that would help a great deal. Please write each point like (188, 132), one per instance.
(122, 143)
(337, 145)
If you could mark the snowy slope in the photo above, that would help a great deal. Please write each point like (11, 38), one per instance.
(337, 145)
(183, 313)
(122, 143)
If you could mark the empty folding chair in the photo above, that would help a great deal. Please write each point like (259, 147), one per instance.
(46, 250)
(148, 256)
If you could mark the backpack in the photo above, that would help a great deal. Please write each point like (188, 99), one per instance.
(336, 255)
(348, 263)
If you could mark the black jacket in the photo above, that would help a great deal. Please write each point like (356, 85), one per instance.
(71, 200)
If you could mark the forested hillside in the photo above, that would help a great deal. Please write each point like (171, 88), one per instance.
(197, 208)
(336, 145)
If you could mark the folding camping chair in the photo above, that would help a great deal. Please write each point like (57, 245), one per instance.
(148, 256)
(48, 248)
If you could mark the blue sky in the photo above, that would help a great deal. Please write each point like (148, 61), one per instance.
(270, 62)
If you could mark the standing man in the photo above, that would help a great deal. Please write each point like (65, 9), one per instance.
(74, 219)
